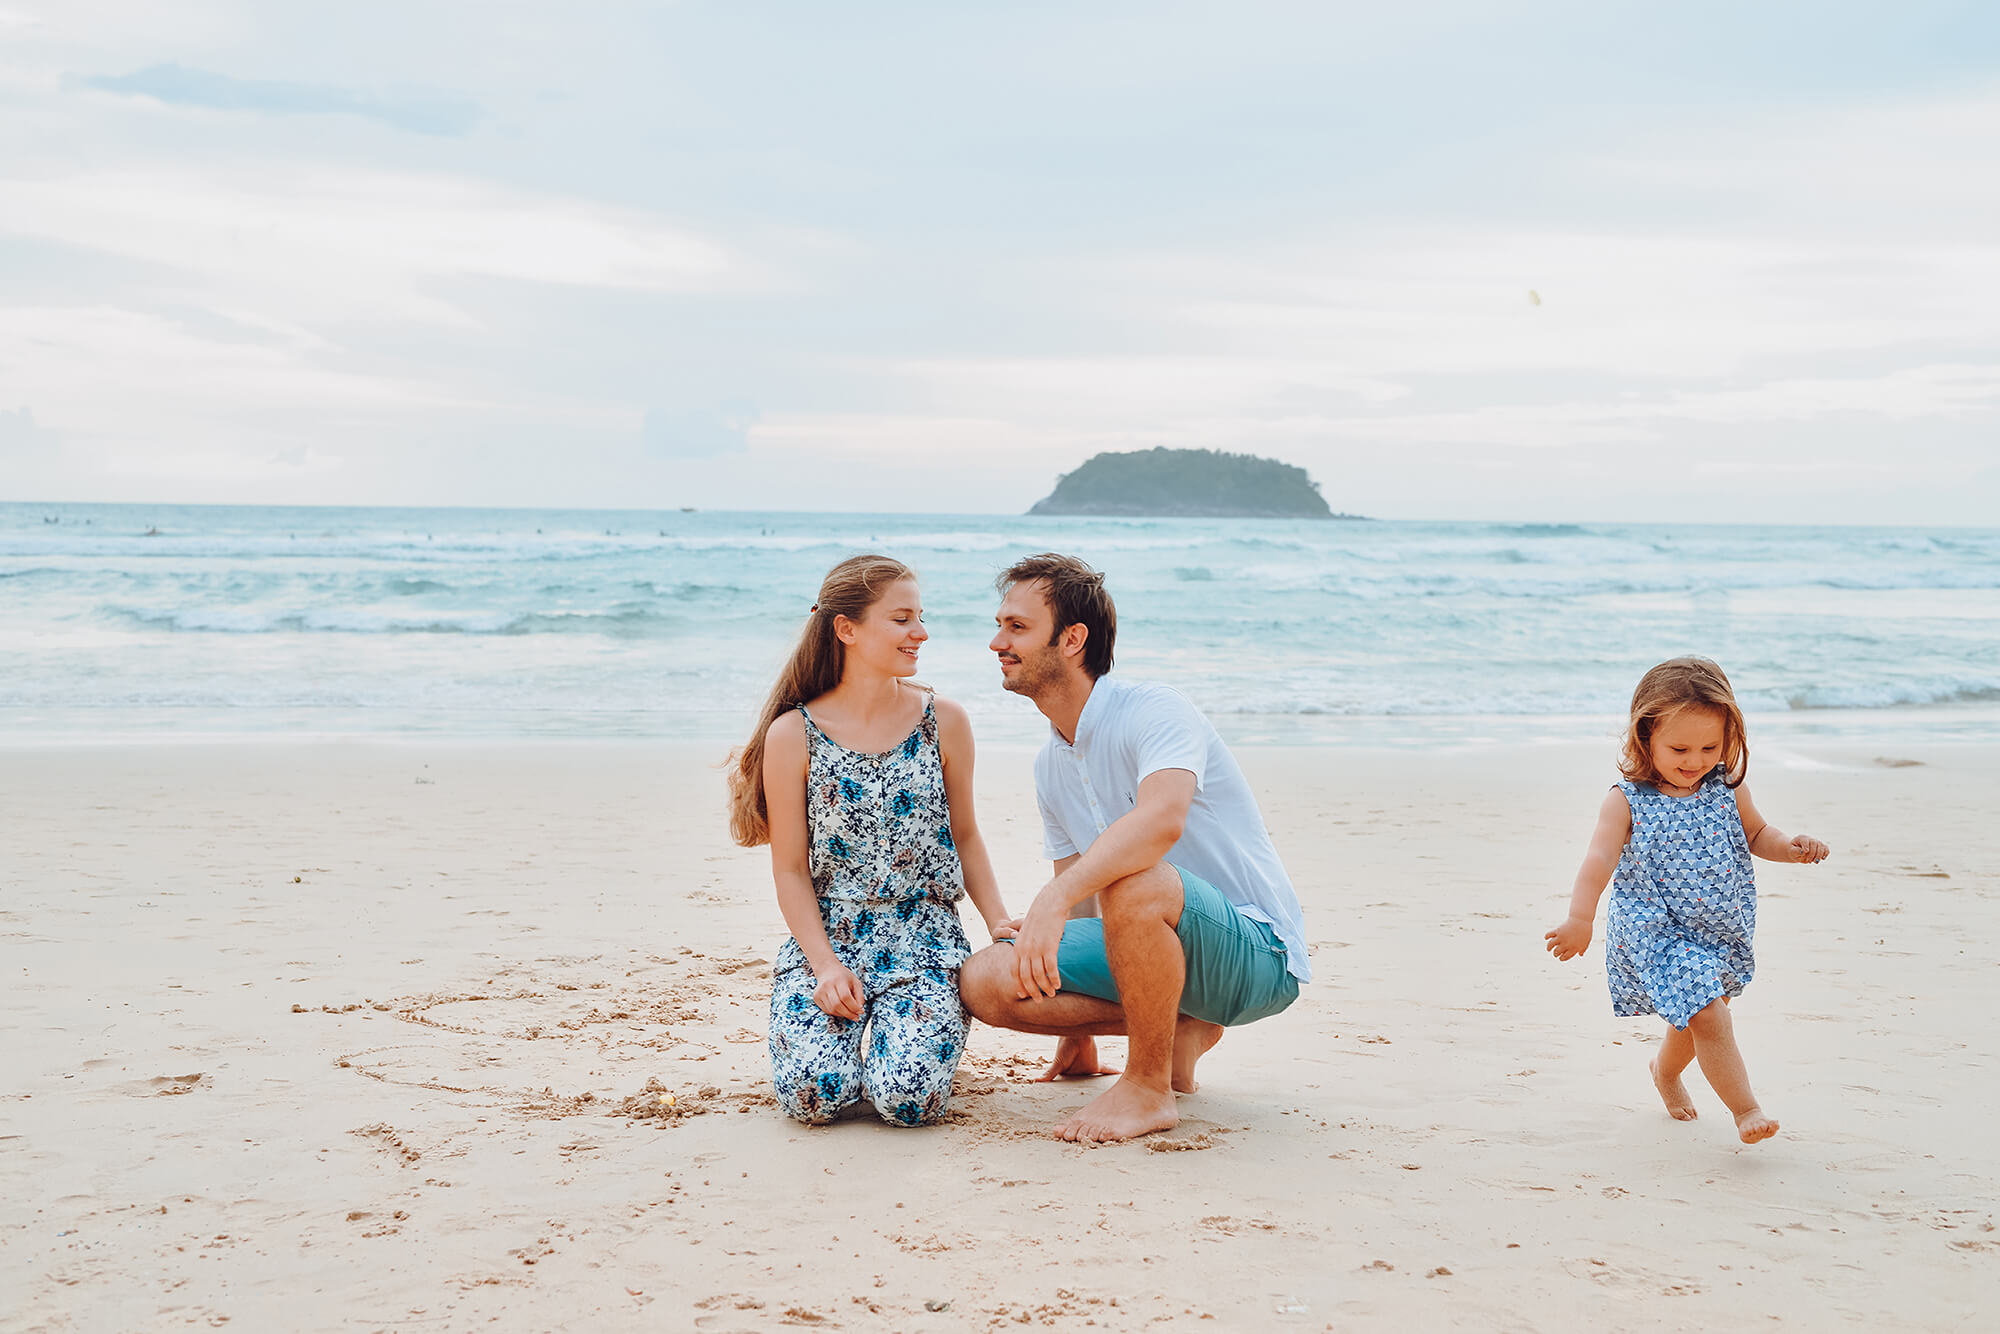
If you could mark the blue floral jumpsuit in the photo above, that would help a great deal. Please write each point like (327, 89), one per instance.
(888, 880)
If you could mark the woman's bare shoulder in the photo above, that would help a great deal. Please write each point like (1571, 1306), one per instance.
(788, 729)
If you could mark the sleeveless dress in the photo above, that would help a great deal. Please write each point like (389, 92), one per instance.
(888, 880)
(1683, 903)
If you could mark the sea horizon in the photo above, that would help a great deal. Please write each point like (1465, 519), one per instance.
(158, 621)
(669, 510)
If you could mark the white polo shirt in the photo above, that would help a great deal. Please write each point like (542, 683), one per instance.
(1130, 729)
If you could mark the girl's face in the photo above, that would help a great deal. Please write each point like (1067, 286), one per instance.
(1687, 744)
(888, 635)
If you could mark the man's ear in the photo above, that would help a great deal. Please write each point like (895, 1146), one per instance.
(1074, 636)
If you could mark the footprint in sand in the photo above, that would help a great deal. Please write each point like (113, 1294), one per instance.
(167, 1086)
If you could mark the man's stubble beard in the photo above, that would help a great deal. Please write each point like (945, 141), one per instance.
(1035, 675)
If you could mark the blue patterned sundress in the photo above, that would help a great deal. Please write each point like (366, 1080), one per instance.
(888, 879)
(1683, 903)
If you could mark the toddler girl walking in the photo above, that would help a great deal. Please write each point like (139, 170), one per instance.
(1674, 839)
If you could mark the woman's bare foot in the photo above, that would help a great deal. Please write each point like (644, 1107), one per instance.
(1126, 1110)
(1076, 1058)
(1673, 1093)
(1753, 1125)
(1192, 1039)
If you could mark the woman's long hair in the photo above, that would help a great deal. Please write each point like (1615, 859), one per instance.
(1681, 683)
(849, 590)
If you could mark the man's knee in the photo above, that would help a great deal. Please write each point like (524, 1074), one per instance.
(1153, 894)
(986, 982)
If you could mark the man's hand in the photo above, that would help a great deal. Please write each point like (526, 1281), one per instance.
(1035, 946)
(839, 993)
(1806, 848)
(1570, 939)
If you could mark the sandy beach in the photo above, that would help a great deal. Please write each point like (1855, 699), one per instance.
(376, 1035)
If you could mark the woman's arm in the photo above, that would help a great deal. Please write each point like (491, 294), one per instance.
(1770, 842)
(1600, 860)
(981, 886)
(839, 990)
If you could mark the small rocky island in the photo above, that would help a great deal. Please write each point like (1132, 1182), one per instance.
(1187, 483)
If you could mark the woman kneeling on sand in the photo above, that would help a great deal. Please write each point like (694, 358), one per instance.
(860, 779)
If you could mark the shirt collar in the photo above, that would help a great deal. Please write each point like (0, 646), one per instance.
(1092, 713)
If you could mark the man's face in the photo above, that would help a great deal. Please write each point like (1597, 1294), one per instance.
(1029, 663)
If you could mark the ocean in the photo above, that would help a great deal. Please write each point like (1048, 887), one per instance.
(138, 621)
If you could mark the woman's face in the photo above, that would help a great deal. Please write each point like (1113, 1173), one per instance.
(888, 635)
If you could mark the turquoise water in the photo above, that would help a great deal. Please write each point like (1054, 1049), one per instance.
(142, 620)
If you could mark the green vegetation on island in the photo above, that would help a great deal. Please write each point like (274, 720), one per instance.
(1191, 483)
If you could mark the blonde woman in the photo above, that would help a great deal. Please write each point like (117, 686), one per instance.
(860, 779)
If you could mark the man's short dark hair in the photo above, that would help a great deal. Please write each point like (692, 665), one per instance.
(1076, 595)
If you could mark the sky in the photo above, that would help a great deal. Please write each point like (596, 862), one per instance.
(1702, 263)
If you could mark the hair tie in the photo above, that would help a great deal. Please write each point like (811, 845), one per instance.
(815, 610)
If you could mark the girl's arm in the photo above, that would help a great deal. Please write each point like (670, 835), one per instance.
(1600, 859)
(981, 886)
(839, 990)
(1770, 842)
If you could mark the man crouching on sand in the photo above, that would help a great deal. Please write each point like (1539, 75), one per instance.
(1143, 808)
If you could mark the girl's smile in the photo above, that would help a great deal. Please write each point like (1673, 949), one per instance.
(1686, 745)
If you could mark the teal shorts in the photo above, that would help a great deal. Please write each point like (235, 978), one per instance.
(1236, 971)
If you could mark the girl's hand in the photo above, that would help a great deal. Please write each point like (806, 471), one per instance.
(1806, 848)
(1007, 928)
(1570, 939)
(839, 993)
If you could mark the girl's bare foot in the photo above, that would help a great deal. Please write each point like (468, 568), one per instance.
(1192, 1039)
(1674, 1094)
(1753, 1125)
(1126, 1110)
(1076, 1058)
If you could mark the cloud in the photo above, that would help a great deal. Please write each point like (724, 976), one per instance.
(174, 382)
(698, 435)
(305, 243)
(177, 85)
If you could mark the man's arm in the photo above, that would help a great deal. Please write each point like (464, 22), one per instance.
(1135, 841)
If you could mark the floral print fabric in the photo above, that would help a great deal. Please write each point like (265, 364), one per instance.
(888, 880)
(1683, 903)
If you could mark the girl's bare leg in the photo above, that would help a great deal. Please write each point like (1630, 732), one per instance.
(1715, 1047)
(1675, 1053)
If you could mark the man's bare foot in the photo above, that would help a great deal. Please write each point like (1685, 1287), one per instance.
(1192, 1039)
(1076, 1058)
(1673, 1093)
(1124, 1111)
(1753, 1125)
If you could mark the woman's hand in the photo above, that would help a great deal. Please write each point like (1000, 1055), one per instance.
(1007, 928)
(839, 992)
(1570, 939)
(1806, 848)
